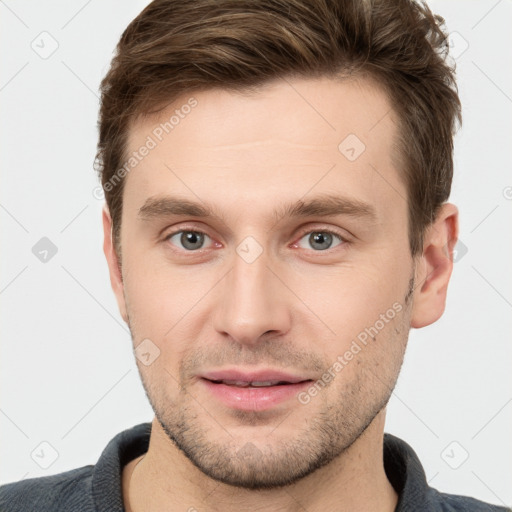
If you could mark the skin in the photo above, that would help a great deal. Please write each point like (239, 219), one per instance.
(295, 307)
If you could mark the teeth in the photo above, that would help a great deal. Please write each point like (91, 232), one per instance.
(255, 384)
(263, 383)
(237, 383)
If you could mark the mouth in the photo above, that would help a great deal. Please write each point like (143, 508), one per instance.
(252, 384)
(254, 391)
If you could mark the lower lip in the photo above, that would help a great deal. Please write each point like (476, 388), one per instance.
(252, 398)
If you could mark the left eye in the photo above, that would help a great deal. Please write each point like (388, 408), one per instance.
(320, 240)
(190, 240)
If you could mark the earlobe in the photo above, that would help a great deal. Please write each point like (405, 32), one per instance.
(434, 267)
(116, 279)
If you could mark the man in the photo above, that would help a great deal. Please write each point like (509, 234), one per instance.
(276, 178)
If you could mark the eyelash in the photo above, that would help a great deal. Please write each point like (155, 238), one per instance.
(335, 233)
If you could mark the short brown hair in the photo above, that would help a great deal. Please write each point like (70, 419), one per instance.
(175, 47)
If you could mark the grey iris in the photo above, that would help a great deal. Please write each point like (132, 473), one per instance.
(192, 240)
(320, 240)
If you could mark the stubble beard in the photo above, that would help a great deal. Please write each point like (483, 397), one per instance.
(284, 459)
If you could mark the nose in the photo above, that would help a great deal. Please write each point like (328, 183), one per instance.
(252, 302)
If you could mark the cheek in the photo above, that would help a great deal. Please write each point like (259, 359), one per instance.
(369, 363)
(348, 299)
(165, 303)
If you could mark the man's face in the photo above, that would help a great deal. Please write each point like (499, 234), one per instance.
(251, 308)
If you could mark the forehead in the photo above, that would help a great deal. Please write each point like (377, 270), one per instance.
(310, 113)
(286, 140)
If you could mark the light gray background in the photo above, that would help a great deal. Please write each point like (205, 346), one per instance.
(68, 376)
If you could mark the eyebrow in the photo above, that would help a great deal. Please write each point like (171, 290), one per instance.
(323, 206)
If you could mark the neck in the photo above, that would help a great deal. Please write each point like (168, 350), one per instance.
(165, 479)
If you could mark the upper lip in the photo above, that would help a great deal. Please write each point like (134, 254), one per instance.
(252, 376)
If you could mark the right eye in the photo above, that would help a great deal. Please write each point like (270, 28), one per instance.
(190, 240)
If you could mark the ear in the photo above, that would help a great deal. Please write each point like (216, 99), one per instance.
(116, 279)
(434, 267)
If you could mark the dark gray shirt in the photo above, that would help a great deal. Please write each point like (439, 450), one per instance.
(98, 488)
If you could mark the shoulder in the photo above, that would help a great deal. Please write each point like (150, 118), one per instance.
(84, 489)
(67, 491)
(406, 474)
(455, 503)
